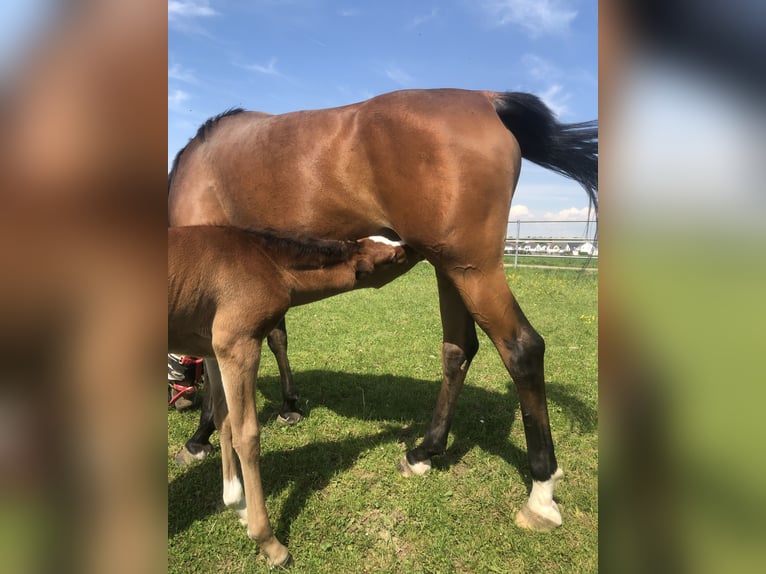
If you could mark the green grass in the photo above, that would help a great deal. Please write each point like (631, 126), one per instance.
(573, 262)
(368, 369)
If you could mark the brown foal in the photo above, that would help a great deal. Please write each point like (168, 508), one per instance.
(227, 288)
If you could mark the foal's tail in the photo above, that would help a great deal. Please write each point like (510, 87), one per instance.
(569, 149)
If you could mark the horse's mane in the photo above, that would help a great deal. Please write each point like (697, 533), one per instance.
(303, 252)
(201, 134)
(205, 128)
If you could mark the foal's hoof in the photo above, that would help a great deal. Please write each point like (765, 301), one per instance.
(531, 520)
(185, 457)
(285, 563)
(289, 419)
(416, 469)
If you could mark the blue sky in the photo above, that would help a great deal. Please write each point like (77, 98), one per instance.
(283, 55)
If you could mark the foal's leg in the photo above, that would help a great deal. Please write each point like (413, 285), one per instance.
(277, 340)
(198, 446)
(239, 361)
(233, 494)
(458, 349)
(521, 348)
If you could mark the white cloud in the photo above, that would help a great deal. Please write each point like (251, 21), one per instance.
(269, 69)
(539, 68)
(418, 20)
(556, 100)
(178, 72)
(176, 98)
(570, 214)
(398, 75)
(189, 9)
(519, 211)
(544, 70)
(554, 83)
(538, 17)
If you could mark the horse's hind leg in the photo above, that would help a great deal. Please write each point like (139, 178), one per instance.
(458, 349)
(277, 340)
(521, 348)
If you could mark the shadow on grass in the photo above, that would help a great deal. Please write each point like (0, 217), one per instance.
(303, 471)
(483, 418)
(581, 415)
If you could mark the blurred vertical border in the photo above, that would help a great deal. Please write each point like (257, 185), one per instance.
(83, 167)
(682, 164)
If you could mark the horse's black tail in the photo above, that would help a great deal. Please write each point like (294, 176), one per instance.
(569, 149)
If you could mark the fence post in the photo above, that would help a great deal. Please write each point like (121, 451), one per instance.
(516, 251)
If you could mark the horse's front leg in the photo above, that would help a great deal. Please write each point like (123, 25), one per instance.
(277, 340)
(458, 349)
(238, 361)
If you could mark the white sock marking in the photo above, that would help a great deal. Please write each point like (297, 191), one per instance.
(233, 494)
(541, 498)
(234, 498)
(422, 467)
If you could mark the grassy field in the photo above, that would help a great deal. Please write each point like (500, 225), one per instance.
(368, 370)
(573, 262)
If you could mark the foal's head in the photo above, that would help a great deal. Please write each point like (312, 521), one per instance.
(374, 253)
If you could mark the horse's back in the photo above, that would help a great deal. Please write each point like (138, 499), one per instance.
(382, 164)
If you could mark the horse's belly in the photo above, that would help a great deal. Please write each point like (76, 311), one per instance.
(297, 209)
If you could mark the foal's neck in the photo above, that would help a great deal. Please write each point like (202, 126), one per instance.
(309, 285)
(303, 254)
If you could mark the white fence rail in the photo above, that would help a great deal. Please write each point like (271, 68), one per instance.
(569, 244)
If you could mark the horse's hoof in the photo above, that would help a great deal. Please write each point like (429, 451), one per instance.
(289, 419)
(541, 512)
(531, 520)
(183, 404)
(285, 563)
(185, 457)
(417, 469)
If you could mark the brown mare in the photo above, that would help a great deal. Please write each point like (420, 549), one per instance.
(227, 289)
(434, 168)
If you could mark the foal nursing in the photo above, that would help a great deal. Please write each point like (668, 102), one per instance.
(227, 289)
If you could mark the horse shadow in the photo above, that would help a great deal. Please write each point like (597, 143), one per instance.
(483, 418)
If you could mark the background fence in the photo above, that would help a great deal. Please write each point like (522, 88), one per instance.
(551, 239)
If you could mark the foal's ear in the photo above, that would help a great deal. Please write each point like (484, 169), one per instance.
(400, 254)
